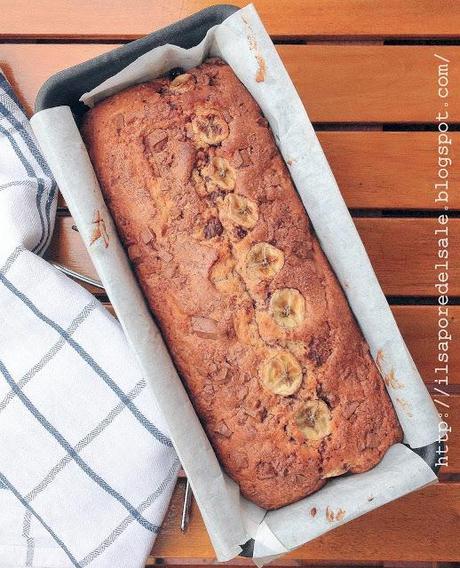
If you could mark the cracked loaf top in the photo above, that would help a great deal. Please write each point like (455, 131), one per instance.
(255, 320)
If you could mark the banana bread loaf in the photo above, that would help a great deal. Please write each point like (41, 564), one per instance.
(254, 318)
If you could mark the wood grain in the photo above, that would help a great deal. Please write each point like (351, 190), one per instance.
(338, 84)
(359, 161)
(418, 326)
(402, 251)
(387, 170)
(357, 83)
(285, 18)
(422, 526)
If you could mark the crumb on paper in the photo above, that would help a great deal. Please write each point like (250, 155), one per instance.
(370, 498)
(313, 511)
(291, 161)
(100, 230)
(335, 516)
(405, 406)
(260, 75)
(391, 381)
(261, 64)
(379, 359)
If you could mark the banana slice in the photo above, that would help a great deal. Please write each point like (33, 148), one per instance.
(281, 374)
(264, 261)
(220, 172)
(209, 127)
(314, 420)
(181, 83)
(287, 306)
(241, 210)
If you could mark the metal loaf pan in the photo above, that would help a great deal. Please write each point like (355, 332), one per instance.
(67, 86)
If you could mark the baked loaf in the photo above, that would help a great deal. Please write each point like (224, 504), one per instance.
(254, 318)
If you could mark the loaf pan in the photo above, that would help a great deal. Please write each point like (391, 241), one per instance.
(67, 86)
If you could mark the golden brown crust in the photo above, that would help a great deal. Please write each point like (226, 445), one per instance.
(195, 182)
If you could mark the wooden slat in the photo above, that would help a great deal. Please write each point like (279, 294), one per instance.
(28, 66)
(402, 251)
(360, 161)
(285, 18)
(368, 83)
(419, 327)
(422, 526)
(343, 83)
(380, 170)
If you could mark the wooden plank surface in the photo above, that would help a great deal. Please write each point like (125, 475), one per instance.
(337, 83)
(422, 526)
(402, 251)
(419, 328)
(285, 18)
(387, 170)
(372, 83)
(359, 161)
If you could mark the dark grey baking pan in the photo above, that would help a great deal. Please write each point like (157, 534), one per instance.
(67, 86)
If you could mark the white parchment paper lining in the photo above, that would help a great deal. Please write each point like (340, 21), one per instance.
(242, 41)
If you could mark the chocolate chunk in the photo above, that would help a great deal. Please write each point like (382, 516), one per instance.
(240, 233)
(302, 250)
(156, 141)
(222, 429)
(222, 376)
(215, 195)
(240, 460)
(205, 327)
(349, 408)
(242, 158)
(265, 470)
(372, 440)
(165, 255)
(213, 228)
(118, 121)
(319, 350)
(146, 236)
(241, 393)
(208, 390)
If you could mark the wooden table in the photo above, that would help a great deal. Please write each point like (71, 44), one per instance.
(367, 73)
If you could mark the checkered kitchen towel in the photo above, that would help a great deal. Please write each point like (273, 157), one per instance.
(86, 469)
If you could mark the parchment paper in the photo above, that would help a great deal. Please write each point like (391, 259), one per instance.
(231, 520)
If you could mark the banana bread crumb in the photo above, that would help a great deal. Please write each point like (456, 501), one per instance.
(255, 320)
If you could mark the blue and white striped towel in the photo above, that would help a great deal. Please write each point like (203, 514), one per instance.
(86, 469)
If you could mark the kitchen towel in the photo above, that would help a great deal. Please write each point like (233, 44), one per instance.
(86, 466)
